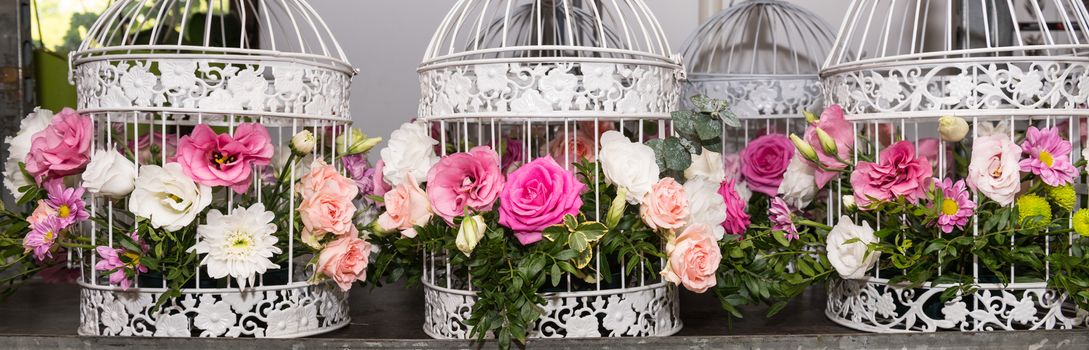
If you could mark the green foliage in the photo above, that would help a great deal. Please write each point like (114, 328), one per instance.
(696, 130)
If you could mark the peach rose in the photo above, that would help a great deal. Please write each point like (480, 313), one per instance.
(693, 259)
(665, 206)
(406, 207)
(323, 176)
(40, 213)
(568, 148)
(345, 260)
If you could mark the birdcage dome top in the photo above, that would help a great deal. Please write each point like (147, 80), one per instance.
(909, 32)
(984, 59)
(256, 30)
(548, 30)
(759, 38)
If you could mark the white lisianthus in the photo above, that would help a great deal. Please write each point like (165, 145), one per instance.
(19, 146)
(708, 166)
(110, 174)
(471, 232)
(627, 164)
(990, 128)
(167, 197)
(799, 185)
(410, 151)
(239, 245)
(303, 142)
(706, 206)
(851, 260)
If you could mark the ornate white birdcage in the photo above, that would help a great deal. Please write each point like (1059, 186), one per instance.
(532, 78)
(150, 72)
(1002, 67)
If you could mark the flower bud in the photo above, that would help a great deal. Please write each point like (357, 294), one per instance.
(952, 129)
(302, 143)
(848, 202)
(380, 231)
(804, 148)
(811, 118)
(616, 209)
(471, 231)
(828, 144)
(357, 142)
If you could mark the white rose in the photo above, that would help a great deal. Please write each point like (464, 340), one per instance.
(627, 164)
(303, 142)
(851, 260)
(167, 197)
(705, 205)
(799, 185)
(19, 146)
(410, 151)
(110, 174)
(707, 165)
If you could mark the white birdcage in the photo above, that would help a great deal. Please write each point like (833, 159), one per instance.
(525, 74)
(896, 68)
(149, 71)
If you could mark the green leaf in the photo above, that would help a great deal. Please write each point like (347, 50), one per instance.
(552, 233)
(578, 242)
(556, 275)
(566, 254)
(584, 258)
(571, 222)
(708, 128)
(780, 237)
(593, 231)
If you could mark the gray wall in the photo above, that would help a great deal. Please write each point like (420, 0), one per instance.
(385, 40)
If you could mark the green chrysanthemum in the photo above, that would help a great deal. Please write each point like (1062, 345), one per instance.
(1081, 222)
(1031, 205)
(1063, 196)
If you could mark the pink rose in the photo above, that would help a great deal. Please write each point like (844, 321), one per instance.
(151, 147)
(586, 127)
(406, 207)
(899, 174)
(569, 149)
(764, 161)
(324, 176)
(224, 160)
(462, 180)
(994, 169)
(665, 206)
(62, 149)
(833, 123)
(345, 260)
(42, 211)
(536, 196)
(694, 259)
(326, 205)
(737, 220)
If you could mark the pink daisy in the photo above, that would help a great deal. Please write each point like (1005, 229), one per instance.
(112, 261)
(1048, 156)
(67, 202)
(955, 207)
(43, 234)
(781, 219)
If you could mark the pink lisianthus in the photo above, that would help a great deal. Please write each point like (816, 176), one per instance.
(225, 160)
(464, 180)
(111, 261)
(406, 207)
(1048, 157)
(956, 205)
(899, 174)
(43, 235)
(568, 148)
(62, 149)
(737, 221)
(832, 122)
(693, 259)
(781, 219)
(764, 161)
(67, 203)
(536, 196)
(665, 207)
(345, 260)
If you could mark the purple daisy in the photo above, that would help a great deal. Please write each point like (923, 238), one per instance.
(1048, 156)
(43, 234)
(111, 261)
(67, 202)
(781, 219)
(956, 207)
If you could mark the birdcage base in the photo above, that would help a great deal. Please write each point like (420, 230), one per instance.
(648, 311)
(287, 311)
(875, 306)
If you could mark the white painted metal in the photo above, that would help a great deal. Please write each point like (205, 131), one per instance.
(144, 85)
(900, 65)
(537, 77)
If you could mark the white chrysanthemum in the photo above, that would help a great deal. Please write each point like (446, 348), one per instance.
(239, 245)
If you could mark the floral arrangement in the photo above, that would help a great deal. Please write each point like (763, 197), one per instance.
(1001, 197)
(517, 227)
(180, 201)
